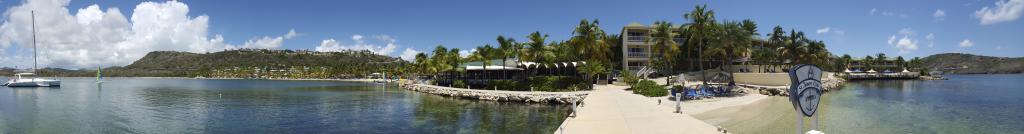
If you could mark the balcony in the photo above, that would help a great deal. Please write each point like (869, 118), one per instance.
(636, 55)
(636, 38)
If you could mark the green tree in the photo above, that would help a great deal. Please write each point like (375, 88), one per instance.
(588, 43)
(506, 49)
(535, 48)
(699, 29)
(591, 69)
(880, 59)
(664, 46)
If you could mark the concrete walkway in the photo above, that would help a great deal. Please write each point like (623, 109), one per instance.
(611, 110)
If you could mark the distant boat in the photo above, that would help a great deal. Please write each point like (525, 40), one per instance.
(18, 81)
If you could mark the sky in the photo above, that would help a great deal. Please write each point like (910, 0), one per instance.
(82, 34)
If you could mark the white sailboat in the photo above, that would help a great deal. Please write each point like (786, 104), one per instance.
(20, 81)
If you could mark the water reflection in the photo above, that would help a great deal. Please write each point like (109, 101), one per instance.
(141, 105)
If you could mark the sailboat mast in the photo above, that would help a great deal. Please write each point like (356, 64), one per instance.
(35, 58)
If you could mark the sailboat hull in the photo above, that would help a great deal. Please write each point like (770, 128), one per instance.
(33, 83)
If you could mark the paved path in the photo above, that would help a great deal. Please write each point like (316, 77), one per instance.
(612, 110)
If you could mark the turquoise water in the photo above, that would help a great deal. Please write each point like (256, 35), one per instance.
(962, 104)
(156, 105)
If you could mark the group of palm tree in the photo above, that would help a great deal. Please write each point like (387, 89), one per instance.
(709, 41)
(589, 44)
(704, 40)
(870, 62)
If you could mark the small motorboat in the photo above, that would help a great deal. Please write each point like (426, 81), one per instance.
(20, 81)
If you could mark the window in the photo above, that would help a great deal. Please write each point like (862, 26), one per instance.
(635, 52)
(636, 36)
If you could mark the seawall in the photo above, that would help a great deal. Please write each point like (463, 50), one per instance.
(498, 95)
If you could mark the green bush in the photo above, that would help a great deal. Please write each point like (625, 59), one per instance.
(504, 85)
(555, 83)
(629, 78)
(649, 88)
(459, 84)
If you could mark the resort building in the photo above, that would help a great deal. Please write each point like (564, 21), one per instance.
(636, 51)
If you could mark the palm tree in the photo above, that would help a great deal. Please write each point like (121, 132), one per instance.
(535, 48)
(733, 39)
(869, 62)
(699, 29)
(588, 44)
(662, 37)
(880, 59)
(483, 54)
(591, 69)
(845, 60)
(421, 62)
(900, 62)
(506, 48)
(777, 40)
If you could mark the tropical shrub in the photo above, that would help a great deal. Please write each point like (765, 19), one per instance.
(629, 78)
(459, 84)
(504, 85)
(649, 88)
(555, 83)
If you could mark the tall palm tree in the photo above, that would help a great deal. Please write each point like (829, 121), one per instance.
(662, 37)
(484, 54)
(535, 48)
(734, 39)
(869, 62)
(777, 40)
(703, 21)
(587, 42)
(506, 48)
(420, 65)
(880, 59)
(900, 62)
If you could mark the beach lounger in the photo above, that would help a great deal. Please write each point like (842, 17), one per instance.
(691, 93)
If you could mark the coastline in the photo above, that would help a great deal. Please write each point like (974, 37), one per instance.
(499, 95)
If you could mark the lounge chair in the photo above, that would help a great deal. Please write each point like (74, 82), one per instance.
(706, 91)
(691, 93)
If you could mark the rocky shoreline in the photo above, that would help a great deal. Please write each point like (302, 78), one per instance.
(828, 83)
(496, 95)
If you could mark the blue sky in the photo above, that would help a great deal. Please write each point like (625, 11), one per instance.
(858, 28)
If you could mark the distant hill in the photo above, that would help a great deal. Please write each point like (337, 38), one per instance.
(187, 64)
(959, 63)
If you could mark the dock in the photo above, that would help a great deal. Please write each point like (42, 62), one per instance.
(610, 109)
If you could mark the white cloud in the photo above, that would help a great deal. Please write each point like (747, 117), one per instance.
(906, 31)
(266, 42)
(892, 39)
(939, 15)
(409, 54)
(331, 45)
(906, 44)
(93, 37)
(872, 12)
(1004, 11)
(466, 53)
(824, 30)
(999, 47)
(966, 43)
(931, 39)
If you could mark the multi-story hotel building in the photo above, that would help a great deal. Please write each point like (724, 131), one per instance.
(636, 51)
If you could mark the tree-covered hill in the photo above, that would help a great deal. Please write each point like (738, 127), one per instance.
(187, 64)
(959, 63)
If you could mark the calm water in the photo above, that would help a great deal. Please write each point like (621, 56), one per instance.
(963, 104)
(151, 105)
